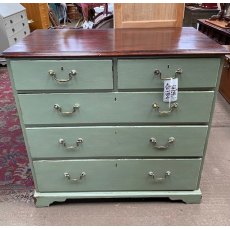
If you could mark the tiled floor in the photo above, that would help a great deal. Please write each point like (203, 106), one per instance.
(213, 210)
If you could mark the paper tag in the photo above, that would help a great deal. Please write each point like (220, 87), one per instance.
(170, 90)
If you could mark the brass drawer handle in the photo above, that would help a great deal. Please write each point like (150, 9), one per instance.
(154, 141)
(59, 109)
(71, 147)
(68, 177)
(159, 179)
(71, 74)
(172, 107)
(158, 73)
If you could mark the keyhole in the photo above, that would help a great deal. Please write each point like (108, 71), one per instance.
(115, 99)
(62, 68)
(168, 66)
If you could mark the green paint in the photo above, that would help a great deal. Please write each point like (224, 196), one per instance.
(91, 74)
(103, 108)
(116, 127)
(196, 72)
(116, 141)
(129, 174)
(45, 199)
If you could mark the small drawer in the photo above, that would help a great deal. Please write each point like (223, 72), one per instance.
(147, 73)
(117, 175)
(91, 108)
(9, 21)
(12, 30)
(18, 36)
(113, 141)
(62, 74)
(13, 19)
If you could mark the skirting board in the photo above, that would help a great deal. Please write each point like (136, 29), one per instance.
(189, 197)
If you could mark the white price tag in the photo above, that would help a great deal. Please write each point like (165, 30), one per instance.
(170, 90)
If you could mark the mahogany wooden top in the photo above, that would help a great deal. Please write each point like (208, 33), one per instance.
(69, 43)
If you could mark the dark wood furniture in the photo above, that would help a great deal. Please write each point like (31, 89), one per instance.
(192, 13)
(222, 36)
(225, 78)
(218, 34)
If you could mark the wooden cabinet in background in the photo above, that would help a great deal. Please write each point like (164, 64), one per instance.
(149, 15)
(216, 33)
(222, 36)
(38, 12)
(192, 13)
(224, 87)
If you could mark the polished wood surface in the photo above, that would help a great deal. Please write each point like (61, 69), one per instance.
(148, 15)
(115, 42)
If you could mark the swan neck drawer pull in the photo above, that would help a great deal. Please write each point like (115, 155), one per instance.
(159, 179)
(158, 73)
(68, 177)
(71, 147)
(154, 141)
(59, 109)
(53, 75)
(172, 107)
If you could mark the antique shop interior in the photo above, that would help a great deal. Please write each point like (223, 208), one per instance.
(114, 114)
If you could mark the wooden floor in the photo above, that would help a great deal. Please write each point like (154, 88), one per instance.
(213, 210)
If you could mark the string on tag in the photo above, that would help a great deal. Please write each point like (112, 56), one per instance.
(170, 88)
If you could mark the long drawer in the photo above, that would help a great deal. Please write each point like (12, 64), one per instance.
(94, 108)
(117, 175)
(62, 74)
(191, 72)
(116, 141)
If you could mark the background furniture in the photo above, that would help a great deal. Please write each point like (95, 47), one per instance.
(13, 24)
(192, 13)
(218, 34)
(222, 36)
(105, 131)
(38, 12)
(72, 12)
(139, 15)
(225, 78)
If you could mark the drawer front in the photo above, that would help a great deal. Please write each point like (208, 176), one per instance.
(18, 36)
(94, 108)
(86, 74)
(11, 20)
(117, 175)
(15, 28)
(196, 73)
(154, 141)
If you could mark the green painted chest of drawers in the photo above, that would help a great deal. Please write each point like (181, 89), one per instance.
(93, 117)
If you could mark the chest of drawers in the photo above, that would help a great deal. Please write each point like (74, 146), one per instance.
(93, 117)
(13, 24)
